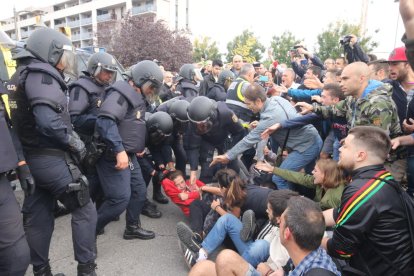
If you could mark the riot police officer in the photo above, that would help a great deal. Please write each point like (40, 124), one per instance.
(177, 109)
(14, 250)
(159, 128)
(211, 125)
(41, 119)
(219, 90)
(85, 97)
(121, 125)
(188, 77)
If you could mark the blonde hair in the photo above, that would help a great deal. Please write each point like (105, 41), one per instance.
(333, 174)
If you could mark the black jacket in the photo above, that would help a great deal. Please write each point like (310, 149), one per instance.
(371, 215)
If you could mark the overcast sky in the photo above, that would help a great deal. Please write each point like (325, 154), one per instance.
(223, 19)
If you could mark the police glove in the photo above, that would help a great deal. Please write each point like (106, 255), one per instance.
(26, 179)
(76, 146)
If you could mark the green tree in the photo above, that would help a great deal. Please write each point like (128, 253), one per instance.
(246, 45)
(205, 49)
(281, 46)
(328, 41)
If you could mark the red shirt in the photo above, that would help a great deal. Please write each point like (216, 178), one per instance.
(172, 192)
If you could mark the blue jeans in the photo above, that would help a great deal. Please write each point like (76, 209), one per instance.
(253, 252)
(335, 153)
(297, 160)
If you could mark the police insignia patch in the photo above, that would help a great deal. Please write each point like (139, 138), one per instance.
(234, 118)
(376, 121)
(138, 114)
(98, 103)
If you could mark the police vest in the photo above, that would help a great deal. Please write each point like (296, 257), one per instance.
(187, 89)
(49, 89)
(131, 127)
(235, 100)
(8, 156)
(80, 105)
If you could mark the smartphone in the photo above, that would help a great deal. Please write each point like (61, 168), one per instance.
(263, 78)
(304, 62)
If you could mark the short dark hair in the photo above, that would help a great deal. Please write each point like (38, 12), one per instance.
(217, 62)
(380, 64)
(278, 200)
(373, 138)
(254, 92)
(334, 90)
(174, 174)
(305, 221)
(316, 70)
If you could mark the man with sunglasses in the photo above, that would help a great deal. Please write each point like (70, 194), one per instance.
(121, 126)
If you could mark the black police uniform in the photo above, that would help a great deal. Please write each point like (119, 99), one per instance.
(174, 142)
(14, 250)
(85, 98)
(40, 116)
(200, 148)
(217, 93)
(187, 88)
(121, 125)
(235, 101)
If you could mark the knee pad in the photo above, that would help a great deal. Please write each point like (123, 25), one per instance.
(76, 194)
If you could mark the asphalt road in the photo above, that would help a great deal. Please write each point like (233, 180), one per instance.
(116, 256)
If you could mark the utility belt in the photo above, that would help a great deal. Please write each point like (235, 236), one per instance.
(77, 193)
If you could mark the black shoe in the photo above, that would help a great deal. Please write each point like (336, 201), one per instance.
(100, 232)
(136, 232)
(45, 271)
(190, 256)
(188, 237)
(151, 204)
(60, 211)
(249, 225)
(150, 212)
(160, 198)
(87, 269)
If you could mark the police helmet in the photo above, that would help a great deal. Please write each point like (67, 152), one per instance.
(201, 109)
(160, 126)
(99, 62)
(190, 72)
(178, 110)
(51, 46)
(147, 72)
(225, 75)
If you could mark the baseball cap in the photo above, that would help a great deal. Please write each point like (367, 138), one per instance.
(398, 54)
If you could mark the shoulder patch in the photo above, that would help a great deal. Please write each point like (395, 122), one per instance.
(377, 121)
(234, 118)
(121, 100)
(77, 91)
(46, 79)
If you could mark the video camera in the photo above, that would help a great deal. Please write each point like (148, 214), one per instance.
(345, 40)
(294, 51)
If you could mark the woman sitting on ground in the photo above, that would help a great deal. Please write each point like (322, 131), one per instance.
(180, 191)
(328, 180)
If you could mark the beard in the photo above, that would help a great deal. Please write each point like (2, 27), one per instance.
(346, 166)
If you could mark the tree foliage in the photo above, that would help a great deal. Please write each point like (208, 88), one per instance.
(142, 38)
(246, 45)
(205, 49)
(281, 46)
(328, 41)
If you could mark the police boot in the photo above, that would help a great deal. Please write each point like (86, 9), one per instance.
(157, 194)
(45, 270)
(150, 210)
(134, 231)
(87, 269)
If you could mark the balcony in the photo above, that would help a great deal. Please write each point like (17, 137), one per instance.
(88, 35)
(103, 17)
(24, 34)
(143, 9)
(75, 37)
(86, 21)
(75, 23)
(62, 24)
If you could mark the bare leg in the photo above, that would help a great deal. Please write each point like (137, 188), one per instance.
(229, 262)
(203, 268)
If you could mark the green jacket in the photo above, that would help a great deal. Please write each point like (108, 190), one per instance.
(374, 108)
(331, 198)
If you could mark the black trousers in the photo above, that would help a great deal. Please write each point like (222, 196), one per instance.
(14, 250)
(198, 212)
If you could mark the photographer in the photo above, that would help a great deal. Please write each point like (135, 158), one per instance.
(301, 59)
(352, 49)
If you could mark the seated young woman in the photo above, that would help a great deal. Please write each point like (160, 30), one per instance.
(327, 179)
